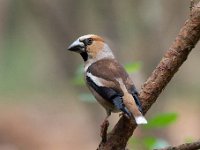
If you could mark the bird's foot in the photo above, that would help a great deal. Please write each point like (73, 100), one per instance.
(104, 128)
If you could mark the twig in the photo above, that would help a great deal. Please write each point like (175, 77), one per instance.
(186, 146)
(161, 76)
(104, 128)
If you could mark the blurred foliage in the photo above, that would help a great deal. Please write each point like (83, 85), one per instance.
(78, 77)
(133, 67)
(149, 142)
(162, 120)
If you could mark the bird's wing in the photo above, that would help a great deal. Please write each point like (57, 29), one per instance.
(134, 93)
(104, 75)
(108, 93)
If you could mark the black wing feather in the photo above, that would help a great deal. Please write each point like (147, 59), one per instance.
(105, 92)
(136, 98)
(110, 95)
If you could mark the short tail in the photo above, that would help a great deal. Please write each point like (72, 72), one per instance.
(140, 120)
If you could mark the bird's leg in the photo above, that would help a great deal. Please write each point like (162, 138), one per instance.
(104, 128)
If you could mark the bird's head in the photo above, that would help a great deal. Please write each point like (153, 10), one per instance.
(91, 47)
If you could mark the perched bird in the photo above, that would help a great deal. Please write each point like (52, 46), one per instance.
(107, 79)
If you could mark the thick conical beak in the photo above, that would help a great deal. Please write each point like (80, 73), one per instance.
(77, 46)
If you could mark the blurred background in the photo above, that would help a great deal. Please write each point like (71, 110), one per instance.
(44, 104)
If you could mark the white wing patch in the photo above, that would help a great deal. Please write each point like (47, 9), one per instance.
(96, 80)
(122, 86)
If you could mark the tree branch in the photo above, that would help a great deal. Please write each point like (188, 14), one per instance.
(186, 146)
(163, 73)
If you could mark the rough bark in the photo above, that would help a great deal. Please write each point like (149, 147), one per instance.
(186, 146)
(161, 76)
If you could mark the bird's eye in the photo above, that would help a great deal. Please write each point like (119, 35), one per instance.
(89, 41)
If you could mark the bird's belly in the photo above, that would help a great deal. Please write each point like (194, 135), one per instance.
(105, 103)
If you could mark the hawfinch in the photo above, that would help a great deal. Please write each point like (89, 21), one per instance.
(107, 79)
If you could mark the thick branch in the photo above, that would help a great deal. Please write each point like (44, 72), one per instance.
(163, 73)
(186, 146)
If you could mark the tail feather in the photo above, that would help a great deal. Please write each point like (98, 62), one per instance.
(140, 120)
(132, 103)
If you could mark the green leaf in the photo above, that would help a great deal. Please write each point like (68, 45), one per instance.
(149, 142)
(161, 120)
(132, 67)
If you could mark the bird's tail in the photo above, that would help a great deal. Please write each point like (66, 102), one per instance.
(140, 120)
(133, 108)
(131, 105)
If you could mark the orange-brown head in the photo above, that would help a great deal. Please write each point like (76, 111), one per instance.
(90, 47)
